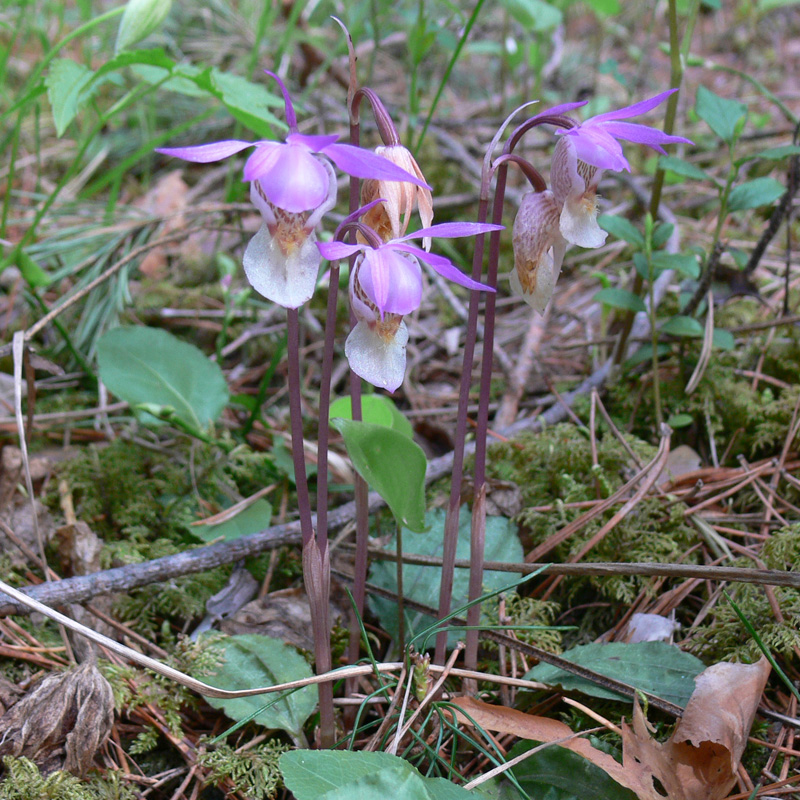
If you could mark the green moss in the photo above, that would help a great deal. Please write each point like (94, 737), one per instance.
(23, 781)
(254, 772)
(141, 503)
(554, 468)
(539, 614)
(725, 405)
(722, 635)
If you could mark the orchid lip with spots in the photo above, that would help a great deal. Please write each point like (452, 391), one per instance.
(385, 285)
(293, 184)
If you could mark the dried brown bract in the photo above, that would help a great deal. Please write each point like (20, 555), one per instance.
(61, 722)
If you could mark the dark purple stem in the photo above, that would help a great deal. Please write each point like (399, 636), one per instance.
(361, 488)
(452, 517)
(296, 417)
(315, 583)
(478, 537)
(324, 409)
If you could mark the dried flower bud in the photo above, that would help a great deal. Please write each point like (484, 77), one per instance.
(390, 219)
(538, 249)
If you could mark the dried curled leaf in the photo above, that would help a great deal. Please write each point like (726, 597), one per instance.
(61, 722)
(701, 758)
(544, 729)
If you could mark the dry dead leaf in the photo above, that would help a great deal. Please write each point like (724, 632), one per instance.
(681, 461)
(701, 758)
(18, 515)
(61, 722)
(649, 628)
(543, 729)
(79, 549)
(284, 615)
(167, 199)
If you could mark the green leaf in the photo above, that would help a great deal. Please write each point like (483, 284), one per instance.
(721, 115)
(654, 667)
(680, 325)
(152, 57)
(777, 153)
(392, 464)
(572, 774)
(604, 8)
(680, 420)
(760, 192)
(534, 15)
(31, 271)
(377, 409)
(662, 233)
(685, 264)
(768, 5)
(149, 365)
(252, 660)
(347, 775)
(683, 168)
(254, 518)
(66, 81)
(246, 101)
(622, 229)
(139, 20)
(645, 353)
(421, 583)
(723, 339)
(183, 81)
(620, 298)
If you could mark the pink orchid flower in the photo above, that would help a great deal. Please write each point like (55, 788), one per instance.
(583, 152)
(385, 285)
(293, 185)
(548, 222)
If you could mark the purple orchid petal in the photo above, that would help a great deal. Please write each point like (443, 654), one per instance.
(642, 134)
(314, 143)
(295, 181)
(444, 267)
(262, 160)
(336, 250)
(391, 281)
(365, 164)
(360, 212)
(599, 148)
(206, 153)
(291, 117)
(631, 111)
(562, 109)
(452, 230)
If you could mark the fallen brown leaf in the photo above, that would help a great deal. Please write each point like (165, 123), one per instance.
(61, 722)
(701, 758)
(698, 762)
(543, 729)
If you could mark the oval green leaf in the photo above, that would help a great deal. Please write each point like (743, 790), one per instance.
(760, 192)
(620, 298)
(251, 661)
(139, 20)
(622, 229)
(680, 325)
(421, 583)
(151, 366)
(392, 464)
(375, 408)
(720, 114)
(654, 667)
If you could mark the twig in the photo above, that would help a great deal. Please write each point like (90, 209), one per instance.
(770, 577)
